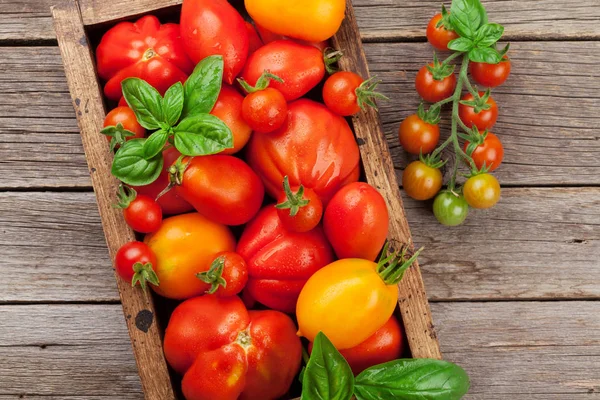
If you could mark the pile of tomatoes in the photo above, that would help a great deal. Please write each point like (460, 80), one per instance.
(272, 238)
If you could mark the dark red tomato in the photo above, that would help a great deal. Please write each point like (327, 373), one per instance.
(143, 214)
(123, 102)
(280, 261)
(126, 117)
(214, 27)
(144, 49)
(227, 275)
(254, 40)
(439, 37)
(490, 153)
(135, 262)
(418, 136)
(301, 67)
(340, 93)
(222, 188)
(170, 202)
(356, 221)
(433, 90)
(485, 119)
(299, 209)
(490, 75)
(265, 110)
(228, 109)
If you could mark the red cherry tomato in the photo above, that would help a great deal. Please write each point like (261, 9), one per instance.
(417, 136)
(299, 209)
(485, 119)
(142, 213)
(135, 262)
(265, 110)
(490, 75)
(433, 90)
(228, 274)
(144, 49)
(356, 221)
(490, 153)
(439, 37)
(228, 109)
(126, 117)
(339, 93)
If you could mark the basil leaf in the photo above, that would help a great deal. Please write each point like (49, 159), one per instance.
(203, 86)
(461, 44)
(145, 101)
(201, 135)
(488, 34)
(155, 143)
(466, 16)
(328, 375)
(173, 104)
(131, 167)
(488, 55)
(408, 379)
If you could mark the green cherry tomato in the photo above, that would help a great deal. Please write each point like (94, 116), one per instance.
(450, 209)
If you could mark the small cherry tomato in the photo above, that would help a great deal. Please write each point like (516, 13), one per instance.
(490, 75)
(299, 209)
(264, 109)
(450, 209)
(432, 89)
(346, 93)
(142, 213)
(228, 274)
(119, 125)
(482, 191)
(135, 262)
(418, 136)
(228, 109)
(484, 119)
(420, 181)
(439, 37)
(490, 153)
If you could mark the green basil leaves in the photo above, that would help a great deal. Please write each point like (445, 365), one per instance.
(202, 134)
(145, 101)
(132, 167)
(203, 86)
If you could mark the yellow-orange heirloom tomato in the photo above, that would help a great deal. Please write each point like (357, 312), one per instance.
(310, 20)
(186, 245)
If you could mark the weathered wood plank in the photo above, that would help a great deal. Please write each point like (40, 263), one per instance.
(27, 20)
(54, 250)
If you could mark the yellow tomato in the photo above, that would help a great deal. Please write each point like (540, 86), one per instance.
(184, 246)
(347, 300)
(310, 20)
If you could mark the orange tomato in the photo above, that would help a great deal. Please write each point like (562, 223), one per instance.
(228, 109)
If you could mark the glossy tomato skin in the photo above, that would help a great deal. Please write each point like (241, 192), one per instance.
(280, 261)
(356, 221)
(314, 148)
(450, 209)
(254, 40)
(228, 109)
(144, 49)
(307, 218)
(222, 188)
(214, 27)
(420, 181)
(265, 111)
(439, 37)
(235, 273)
(339, 93)
(485, 119)
(482, 191)
(490, 153)
(186, 245)
(267, 37)
(432, 90)
(300, 66)
(130, 254)
(126, 117)
(490, 75)
(417, 136)
(143, 214)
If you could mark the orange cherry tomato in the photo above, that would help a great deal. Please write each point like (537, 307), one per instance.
(417, 136)
(228, 109)
(125, 116)
(482, 191)
(439, 37)
(490, 153)
(420, 181)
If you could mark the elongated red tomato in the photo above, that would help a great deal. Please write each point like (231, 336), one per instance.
(228, 109)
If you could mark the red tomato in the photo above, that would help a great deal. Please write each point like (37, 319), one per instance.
(214, 27)
(144, 49)
(279, 261)
(490, 75)
(433, 90)
(222, 188)
(265, 110)
(254, 40)
(226, 352)
(314, 148)
(135, 262)
(142, 214)
(356, 221)
(126, 117)
(170, 202)
(123, 102)
(418, 136)
(490, 153)
(483, 120)
(300, 66)
(228, 109)
(299, 209)
(346, 93)
(439, 37)
(421, 181)
(228, 274)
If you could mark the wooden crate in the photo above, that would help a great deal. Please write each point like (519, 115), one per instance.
(72, 21)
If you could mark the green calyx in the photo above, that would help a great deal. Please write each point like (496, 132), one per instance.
(366, 93)
(214, 276)
(392, 266)
(118, 135)
(432, 160)
(474, 139)
(479, 102)
(125, 195)
(144, 273)
(294, 201)
(445, 21)
(261, 84)
(331, 57)
(440, 70)
(176, 172)
(431, 116)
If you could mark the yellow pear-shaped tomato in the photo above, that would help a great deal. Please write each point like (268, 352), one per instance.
(347, 300)
(310, 20)
(186, 245)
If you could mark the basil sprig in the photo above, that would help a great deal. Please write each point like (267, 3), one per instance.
(180, 118)
(328, 377)
(478, 38)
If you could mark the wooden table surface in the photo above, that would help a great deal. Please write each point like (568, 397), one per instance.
(514, 291)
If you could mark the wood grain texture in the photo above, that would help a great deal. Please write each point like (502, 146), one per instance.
(379, 172)
(87, 100)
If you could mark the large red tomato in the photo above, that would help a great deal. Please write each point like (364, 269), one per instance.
(226, 352)
(144, 49)
(214, 27)
(314, 148)
(280, 261)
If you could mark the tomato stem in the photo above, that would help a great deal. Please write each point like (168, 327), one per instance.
(391, 267)
(294, 201)
(214, 276)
